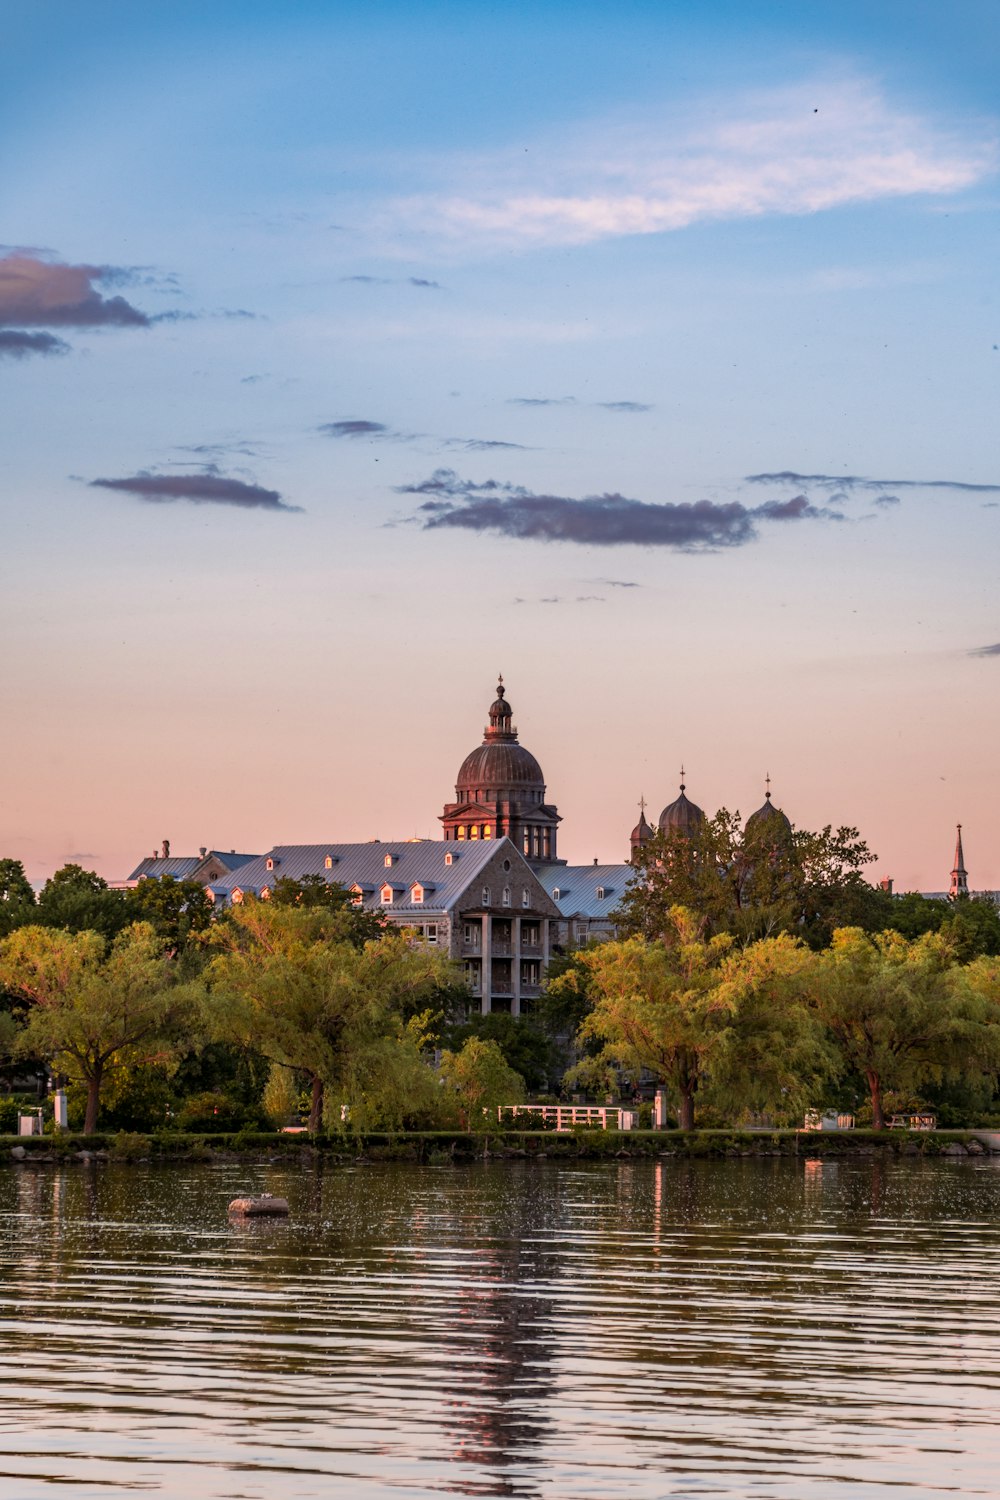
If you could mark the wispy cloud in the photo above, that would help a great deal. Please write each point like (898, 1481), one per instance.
(621, 406)
(993, 650)
(826, 142)
(15, 344)
(607, 520)
(355, 427)
(42, 293)
(210, 486)
(422, 283)
(848, 482)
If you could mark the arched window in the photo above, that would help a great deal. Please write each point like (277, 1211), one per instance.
(506, 895)
(474, 831)
(461, 830)
(487, 898)
(487, 831)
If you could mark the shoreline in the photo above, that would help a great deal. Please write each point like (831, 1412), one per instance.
(438, 1148)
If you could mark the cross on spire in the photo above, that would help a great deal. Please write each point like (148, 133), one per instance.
(767, 783)
(682, 777)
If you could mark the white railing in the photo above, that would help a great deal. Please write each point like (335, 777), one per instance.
(604, 1117)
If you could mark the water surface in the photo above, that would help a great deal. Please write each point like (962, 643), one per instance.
(758, 1328)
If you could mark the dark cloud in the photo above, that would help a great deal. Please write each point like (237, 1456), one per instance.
(357, 428)
(887, 500)
(39, 293)
(993, 650)
(208, 487)
(847, 482)
(421, 281)
(623, 405)
(608, 520)
(618, 583)
(17, 345)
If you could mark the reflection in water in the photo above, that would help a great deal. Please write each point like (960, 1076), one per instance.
(801, 1330)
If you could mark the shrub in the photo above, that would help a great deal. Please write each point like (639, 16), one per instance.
(212, 1112)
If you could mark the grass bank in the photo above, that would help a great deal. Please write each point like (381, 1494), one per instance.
(442, 1146)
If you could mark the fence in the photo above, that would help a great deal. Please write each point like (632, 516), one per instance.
(565, 1116)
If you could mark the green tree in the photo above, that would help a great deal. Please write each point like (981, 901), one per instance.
(753, 882)
(79, 900)
(313, 891)
(95, 1007)
(524, 1046)
(900, 1012)
(287, 981)
(482, 1080)
(17, 897)
(696, 1012)
(174, 908)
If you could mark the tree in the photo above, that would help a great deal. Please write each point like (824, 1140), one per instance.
(753, 882)
(289, 982)
(481, 1078)
(174, 908)
(900, 1012)
(971, 924)
(524, 1047)
(17, 896)
(95, 1008)
(79, 900)
(699, 1012)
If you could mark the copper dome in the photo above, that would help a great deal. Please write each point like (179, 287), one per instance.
(768, 817)
(681, 816)
(499, 765)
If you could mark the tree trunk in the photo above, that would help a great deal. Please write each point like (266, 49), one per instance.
(875, 1087)
(685, 1114)
(316, 1107)
(93, 1104)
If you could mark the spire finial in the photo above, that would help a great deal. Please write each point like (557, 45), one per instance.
(642, 805)
(767, 783)
(682, 778)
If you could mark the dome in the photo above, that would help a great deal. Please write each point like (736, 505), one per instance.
(768, 817)
(641, 833)
(500, 765)
(681, 816)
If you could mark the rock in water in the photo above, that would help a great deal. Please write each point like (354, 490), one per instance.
(259, 1206)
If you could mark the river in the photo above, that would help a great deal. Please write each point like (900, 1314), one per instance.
(720, 1330)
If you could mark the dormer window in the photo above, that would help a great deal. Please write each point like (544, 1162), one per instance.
(237, 897)
(449, 858)
(390, 860)
(385, 895)
(270, 863)
(556, 893)
(417, 895)
(602, 891)
(265, 893)
(329, 862)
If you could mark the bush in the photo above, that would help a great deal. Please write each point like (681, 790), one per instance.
(213, 1112)
(129, 1146)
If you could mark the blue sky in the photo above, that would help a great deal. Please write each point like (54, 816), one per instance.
(349, 354)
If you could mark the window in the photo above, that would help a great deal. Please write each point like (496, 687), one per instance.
(472, 975)
(328, 862)
(265, 893)
(389, 859)
(385, 895)
(525, 897)
(461, 831)
(556, 893)
(449, 858)
(417, 895)
(506, 895)
(269, 863)
(506, 864)
(531, 972)
(487, 831)
(474, 831)
(237, 897)
(601, 892)
(471, 934)
(431, 932)
(487, 898)
(357, 895)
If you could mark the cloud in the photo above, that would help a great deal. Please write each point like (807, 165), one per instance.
(828, 141)
(993, 650)
(887, 500)
(618, 583)
(847, 482)
(17, 345)
(480, 445)
(623, 406)
(208, 487)
(607, 520)
(421, 282)
(356, 428)
(38, 293)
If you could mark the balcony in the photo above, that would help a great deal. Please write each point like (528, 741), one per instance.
(501, 949)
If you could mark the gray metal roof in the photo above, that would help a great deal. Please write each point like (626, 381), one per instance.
(578, 886)
(180, 868)
(364, 865)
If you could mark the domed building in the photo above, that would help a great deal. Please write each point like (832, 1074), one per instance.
(681, 816)
(768, 819)
(500, 792)
(641, 833)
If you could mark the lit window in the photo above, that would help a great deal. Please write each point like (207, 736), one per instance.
(449, 858)
(486, 895)
(269, 864)
(388, 860)
(417, 895)
(386, 895)
(506, 895)
(474, 831)
(237, 897)
(265, 894)
(461, 830)
(357, 896)
(527, 841)
(487, 831)
(328, 862)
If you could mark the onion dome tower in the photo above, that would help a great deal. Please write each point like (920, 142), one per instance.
(500, 792)
(959, 875)
(641, 833)
(682, 816)
(768, 819)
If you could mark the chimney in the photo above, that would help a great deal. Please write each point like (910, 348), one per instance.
(595, 861)
(202, 852)
(166, 848)
(886, 885)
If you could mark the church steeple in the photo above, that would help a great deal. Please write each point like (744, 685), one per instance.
(959, 875)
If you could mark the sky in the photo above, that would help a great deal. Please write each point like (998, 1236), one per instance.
(648, 354)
